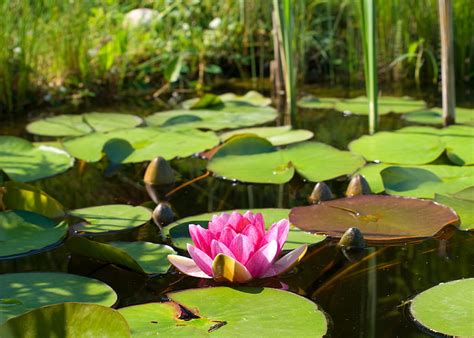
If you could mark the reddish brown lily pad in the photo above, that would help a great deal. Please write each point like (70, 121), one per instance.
(384, 219)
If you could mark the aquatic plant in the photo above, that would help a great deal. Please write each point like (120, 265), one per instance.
(236, 248)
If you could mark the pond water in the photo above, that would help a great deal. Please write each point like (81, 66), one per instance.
(364, 296)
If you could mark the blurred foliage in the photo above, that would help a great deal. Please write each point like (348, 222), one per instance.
(55, 52)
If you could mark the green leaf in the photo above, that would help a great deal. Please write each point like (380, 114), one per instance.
(229, 117)
(22, 161)
(144, 257)
(381, 219)
(36, 289)
(311, 102)
(22, 196)
(464, 208)
(426, 181)
(173, 69)
(76, 125)
(446, 308)
(400, 148)
(276, 135)
(386, 104)
(113, 217)
(314, 161)
(179, 231)
(371, 173)
(251, 97)
(67, 320)
(435, 116)
(253, 312)
(24, 231)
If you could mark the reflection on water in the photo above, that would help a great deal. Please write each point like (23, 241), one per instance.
(363, 297)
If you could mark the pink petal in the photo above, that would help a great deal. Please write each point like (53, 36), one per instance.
(227, 235)
(218, 222)
(242, 247)
(286, 262)
(237, 221)
(256, 220)
(279, 232)
(261, 260)
(187, 266)
(255, 235)
(227, 269)
(201, 259)
(201, 237)
(220, 248)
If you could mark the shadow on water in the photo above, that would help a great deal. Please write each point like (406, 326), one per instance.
(364, 297)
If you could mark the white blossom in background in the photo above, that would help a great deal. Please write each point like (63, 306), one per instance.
(140, 17)
(215, 23)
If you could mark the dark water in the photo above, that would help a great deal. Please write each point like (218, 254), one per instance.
(363, 297)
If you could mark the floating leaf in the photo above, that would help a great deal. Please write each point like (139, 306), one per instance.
(425, 181)
(371, 173)
(276, 135)
(253, 312)
(113, 217)
(67, 320)
(458, 140)
(22, 196)
(24, 231)
(205, 101)
(24, 162)
(386, 104)
(314, 161)
(312, 102)
(385, 219)
(446, 308)
(251, 97)
(463, 207)
(144, 257)
(76, 125)
(402, 148)
(140, 144)
(229, 117)
(179, 230)
(36, 289)
(435, 116)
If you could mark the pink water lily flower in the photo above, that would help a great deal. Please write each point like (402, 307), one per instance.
(236, 248)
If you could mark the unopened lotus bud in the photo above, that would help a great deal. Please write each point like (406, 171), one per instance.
(352, 239)
(321, 192)
(358, 186)
(159, 179)
(163, 214)
(159, 172)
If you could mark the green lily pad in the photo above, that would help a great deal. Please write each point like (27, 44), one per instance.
(371, 173)
(386, 105)
(458, 140)
(381, 219)
(402, 148)
(229, 117)
(67, 320)
(463, 207)
(251, 97)
(253, 312)
(140, 144)
(425, 181)
(179, 231)
(76, 125)
(22, 196)
(24, 162)
(314, 161)
(143, 257)
(24, 231)
(312, 102)
(446, 308)
(35, 289)
(113, 217)
(435, 116)
(277, 136)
